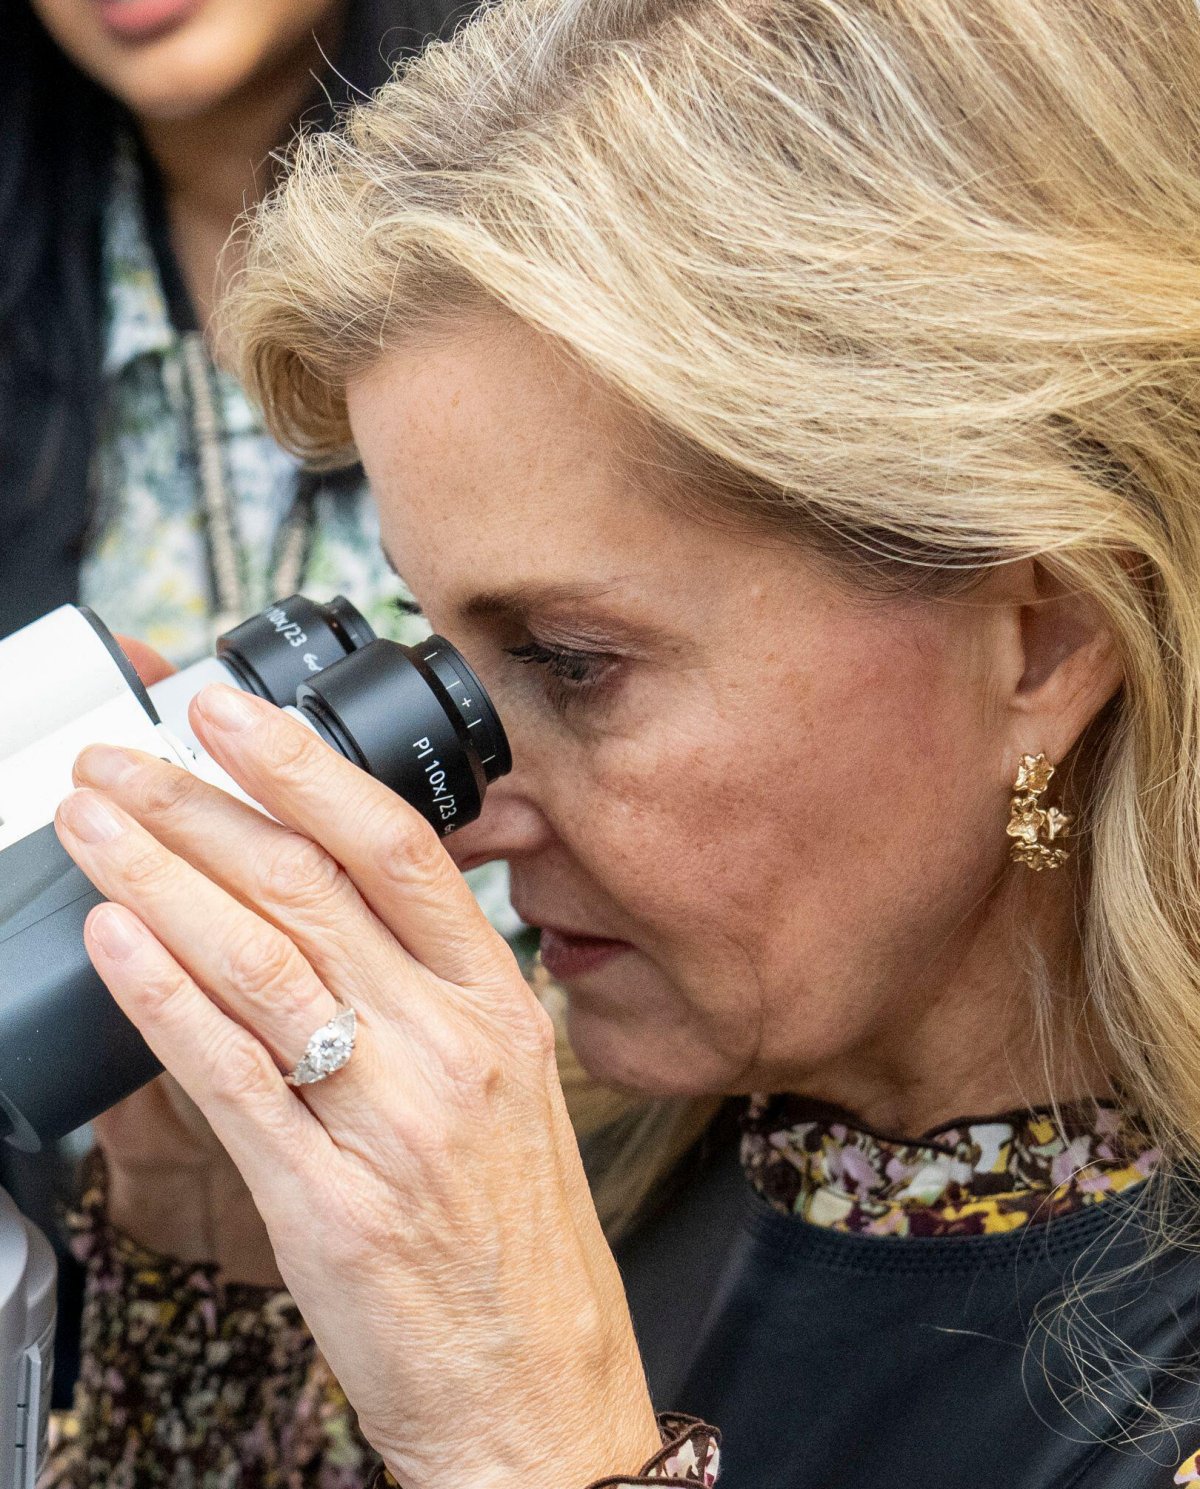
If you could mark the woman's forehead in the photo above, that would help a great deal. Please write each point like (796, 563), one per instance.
(470, 438)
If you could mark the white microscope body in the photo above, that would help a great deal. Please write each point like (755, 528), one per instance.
(63, 686)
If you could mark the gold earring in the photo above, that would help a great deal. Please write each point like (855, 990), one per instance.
(1036, 829)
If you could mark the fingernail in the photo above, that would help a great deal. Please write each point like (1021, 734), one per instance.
(104, 765)
(90, 818)
(116, 932)
(225, 707)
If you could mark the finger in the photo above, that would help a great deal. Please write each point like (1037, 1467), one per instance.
(273, 870)
(394, 857)
(249, 967)
(292, 883)
(225, 1070)
(147, 663)
(257, 974)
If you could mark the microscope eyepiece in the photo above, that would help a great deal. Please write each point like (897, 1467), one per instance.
(418, 719)
(468, 698)
(273, 652)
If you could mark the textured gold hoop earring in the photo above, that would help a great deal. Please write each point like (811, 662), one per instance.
(1037, 830)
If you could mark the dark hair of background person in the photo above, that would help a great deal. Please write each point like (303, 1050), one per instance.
(57, 135)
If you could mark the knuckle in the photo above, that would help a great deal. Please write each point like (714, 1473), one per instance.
(258, 963)
(475, 1072)
(297, 871)
(298, 1005)
(530, 1037)
(243, 1070)
(163, 985)
(541, 1034)
(409, 850)
(145, 867)
(164, 791)
(524, 1027)
(426, 1139)
(288, 749)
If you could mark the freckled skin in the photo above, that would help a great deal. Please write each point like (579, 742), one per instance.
(792, 805)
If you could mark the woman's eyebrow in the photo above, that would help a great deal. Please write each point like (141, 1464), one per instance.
(585, 599)
(582, 611)
(518, 601)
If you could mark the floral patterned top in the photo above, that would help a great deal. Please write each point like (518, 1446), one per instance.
(193, 1383)
(976, 1176)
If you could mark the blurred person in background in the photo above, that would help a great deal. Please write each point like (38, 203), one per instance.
(134, 475)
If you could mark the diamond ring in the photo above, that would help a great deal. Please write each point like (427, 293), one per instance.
(328, 1049)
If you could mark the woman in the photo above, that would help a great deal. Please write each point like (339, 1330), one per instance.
(818, 382)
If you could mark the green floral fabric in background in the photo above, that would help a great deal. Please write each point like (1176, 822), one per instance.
(146, 572)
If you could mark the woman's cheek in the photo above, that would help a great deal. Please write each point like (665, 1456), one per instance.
(641, 782)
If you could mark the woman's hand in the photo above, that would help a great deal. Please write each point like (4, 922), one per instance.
(171, 1185)
(426, 1204)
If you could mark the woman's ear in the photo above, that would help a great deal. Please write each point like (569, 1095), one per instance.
(1071, 667)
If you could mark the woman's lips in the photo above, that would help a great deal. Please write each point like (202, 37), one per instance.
(565, 955)
(140, 20)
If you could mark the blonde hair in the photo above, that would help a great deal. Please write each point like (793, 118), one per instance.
(914, 279)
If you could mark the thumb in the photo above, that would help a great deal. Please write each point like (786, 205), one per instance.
(150, 667)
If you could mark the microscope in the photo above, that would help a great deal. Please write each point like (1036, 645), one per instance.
(416, 718)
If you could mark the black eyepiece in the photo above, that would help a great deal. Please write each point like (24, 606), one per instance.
(474, 707)
(418, 719)
(274, 652)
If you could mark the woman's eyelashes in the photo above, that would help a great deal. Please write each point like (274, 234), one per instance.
(569, 674)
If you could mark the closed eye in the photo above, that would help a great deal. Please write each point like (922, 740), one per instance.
(570, 674)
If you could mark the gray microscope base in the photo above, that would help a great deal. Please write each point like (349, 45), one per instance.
(27, 1273)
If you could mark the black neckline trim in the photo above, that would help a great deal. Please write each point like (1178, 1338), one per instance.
(811, 1109)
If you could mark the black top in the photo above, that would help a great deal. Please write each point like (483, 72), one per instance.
(834, 1361)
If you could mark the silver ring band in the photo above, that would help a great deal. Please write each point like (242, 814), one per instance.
(327, 1050)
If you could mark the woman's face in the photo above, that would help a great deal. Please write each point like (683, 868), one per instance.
(175, 58)
(753, 812)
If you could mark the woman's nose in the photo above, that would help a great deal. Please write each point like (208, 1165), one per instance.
(510, 826)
